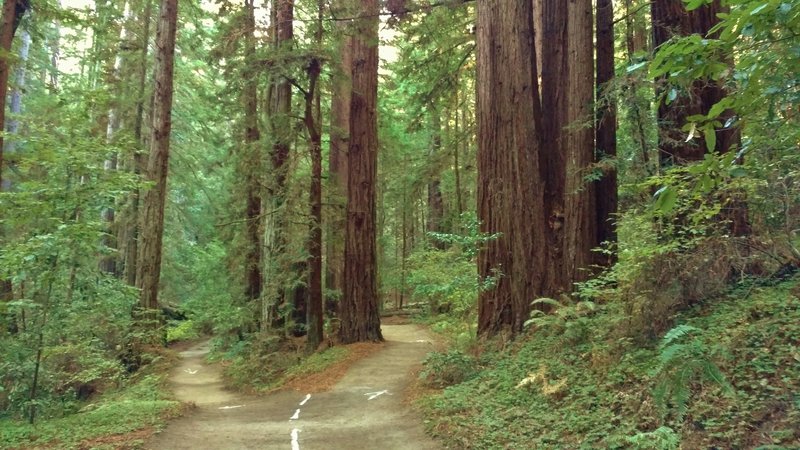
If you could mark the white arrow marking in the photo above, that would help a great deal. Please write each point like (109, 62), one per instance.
(190, 371)
(295, 416)
(308, 397)
(374, 395)
(231, 407)
(295, 437)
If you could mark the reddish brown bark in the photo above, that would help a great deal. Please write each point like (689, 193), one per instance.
(151, 219)
(280, 98)
(313, 120)
(555, 91)
(580, 215)
(606, 132)
(360, 318)
(337, 167)
(670, 19)
(435, 200)
(509, 187)
(251, 165)
(13, 10)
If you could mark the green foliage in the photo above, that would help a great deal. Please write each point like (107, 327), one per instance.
(663, 438)
(683, 361)
(448, 368)
(183, 330)
(602, 392)
(139, 405)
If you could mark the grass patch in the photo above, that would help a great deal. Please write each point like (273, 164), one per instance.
(264, 366)
(121, 419)
(581, 383)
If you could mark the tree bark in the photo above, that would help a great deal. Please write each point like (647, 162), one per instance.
(359, 310)
(313, 119)
(129, 224)
(555, 92)
(280, 125)
(671, 19)
(337, 166)
(13, 10)
(151, 219)
(509, 187)
(580, 215)
(606, 132)
(251, 164)
(435, 200)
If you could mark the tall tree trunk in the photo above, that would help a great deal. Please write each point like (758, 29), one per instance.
(670, 19)
(129, 225)
(606, 133)
(435, 201)
(555, 92)
(580, 218)
(359, 310)
(508, 164)
(280, 123)
(13, 10)
(337, 166)
(251, 164)
(313, 119)
(151, 219)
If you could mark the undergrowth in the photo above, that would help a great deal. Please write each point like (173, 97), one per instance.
(114, 417)
(726, 376)
(269, 363)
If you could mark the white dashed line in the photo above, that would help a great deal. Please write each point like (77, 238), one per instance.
(231, 407)
(308, 397)
(295, 437)
(296, 415)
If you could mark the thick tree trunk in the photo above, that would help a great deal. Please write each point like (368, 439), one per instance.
(580, 215)
(282, 134)
(435, 200)
(670, 19)
(606, 133)
(13, 10)
(128, 238)
(315, 317)
(251, 165)
(508, 165)
(337, 168)
(313, 119)
(359, 310)
(555, 93)
(151, 219)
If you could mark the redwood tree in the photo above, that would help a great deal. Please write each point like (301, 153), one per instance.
(509, 187)
(337, 165)
(358, 310)
(606, 132)
(280, 104)
(151, 218)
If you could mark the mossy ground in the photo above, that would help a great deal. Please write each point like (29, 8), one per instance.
(589, 385)
(122, 419)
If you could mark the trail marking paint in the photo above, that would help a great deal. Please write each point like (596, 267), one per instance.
(305, 400)
(374, 395)
(295, 437)
(231, 407)
(296, 415)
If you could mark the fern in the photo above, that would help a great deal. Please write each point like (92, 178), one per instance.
(683, 360)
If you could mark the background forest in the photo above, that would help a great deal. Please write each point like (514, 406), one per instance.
(595, 203)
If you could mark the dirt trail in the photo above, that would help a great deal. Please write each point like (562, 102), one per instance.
(365, 410)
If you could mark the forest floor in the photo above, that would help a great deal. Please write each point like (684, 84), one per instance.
(366, 409)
